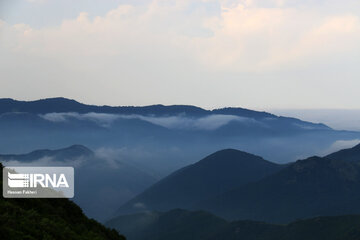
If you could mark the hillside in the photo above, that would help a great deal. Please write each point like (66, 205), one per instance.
(213, 175)
(58, 219)
(307, 188)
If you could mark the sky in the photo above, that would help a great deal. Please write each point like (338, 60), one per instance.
(339, 119)
(258, 54)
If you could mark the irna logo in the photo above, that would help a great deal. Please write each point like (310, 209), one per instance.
(38, 182)
(16, 180)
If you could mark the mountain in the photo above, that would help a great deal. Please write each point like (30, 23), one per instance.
(64, 154)
(112, 181)
(160, 132)
(351, 154)
(60, 104)
(48, 219)
(180, 224)
(307, 188)
(63, 105)
(213, 175)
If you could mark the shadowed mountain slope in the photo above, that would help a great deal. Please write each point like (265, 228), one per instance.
(307, 188)
(215, 174)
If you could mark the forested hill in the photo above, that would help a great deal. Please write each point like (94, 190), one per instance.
(41, 218)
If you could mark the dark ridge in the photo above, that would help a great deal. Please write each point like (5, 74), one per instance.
(60, 104)
(215, 174)
(307, 188)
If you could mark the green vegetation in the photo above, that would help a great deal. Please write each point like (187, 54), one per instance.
(34, 219)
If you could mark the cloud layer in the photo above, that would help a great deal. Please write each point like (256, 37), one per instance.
(210, 122)
(167, 51)
(341, 144)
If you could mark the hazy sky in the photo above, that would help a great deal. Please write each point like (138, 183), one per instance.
(252, 53)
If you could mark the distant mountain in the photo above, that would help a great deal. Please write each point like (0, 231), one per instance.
(64, 105)
(186, 225)
(48, 219)
(64, 154)
(213, 175)
(160, 130)
(307, 188)
(60, 104)
(351, 154)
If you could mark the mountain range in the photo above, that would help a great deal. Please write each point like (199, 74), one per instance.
(128, 149)
(215, 174)
(140, 166)
(59, 105)
(237, 185)
(162, 131)
(311, 187)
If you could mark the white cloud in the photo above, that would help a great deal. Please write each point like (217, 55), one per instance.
(103, 119)
(340, 145)
(239, 38)
(167, 47)
(47, 161)
(139, 205)
(210, 122)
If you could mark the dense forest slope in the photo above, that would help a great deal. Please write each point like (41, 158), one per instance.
(35, 219)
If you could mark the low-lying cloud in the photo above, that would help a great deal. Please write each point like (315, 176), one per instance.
(46, 161)
(211, 122)
(341, 144)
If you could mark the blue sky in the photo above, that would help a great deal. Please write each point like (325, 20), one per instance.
(250, 53)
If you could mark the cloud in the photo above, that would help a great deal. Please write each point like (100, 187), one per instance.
(102, 119)
(47, 161)
(112, 157)
(139, 205)
(211, 122)
(341, 144)
(172, 47)
(242, 37)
